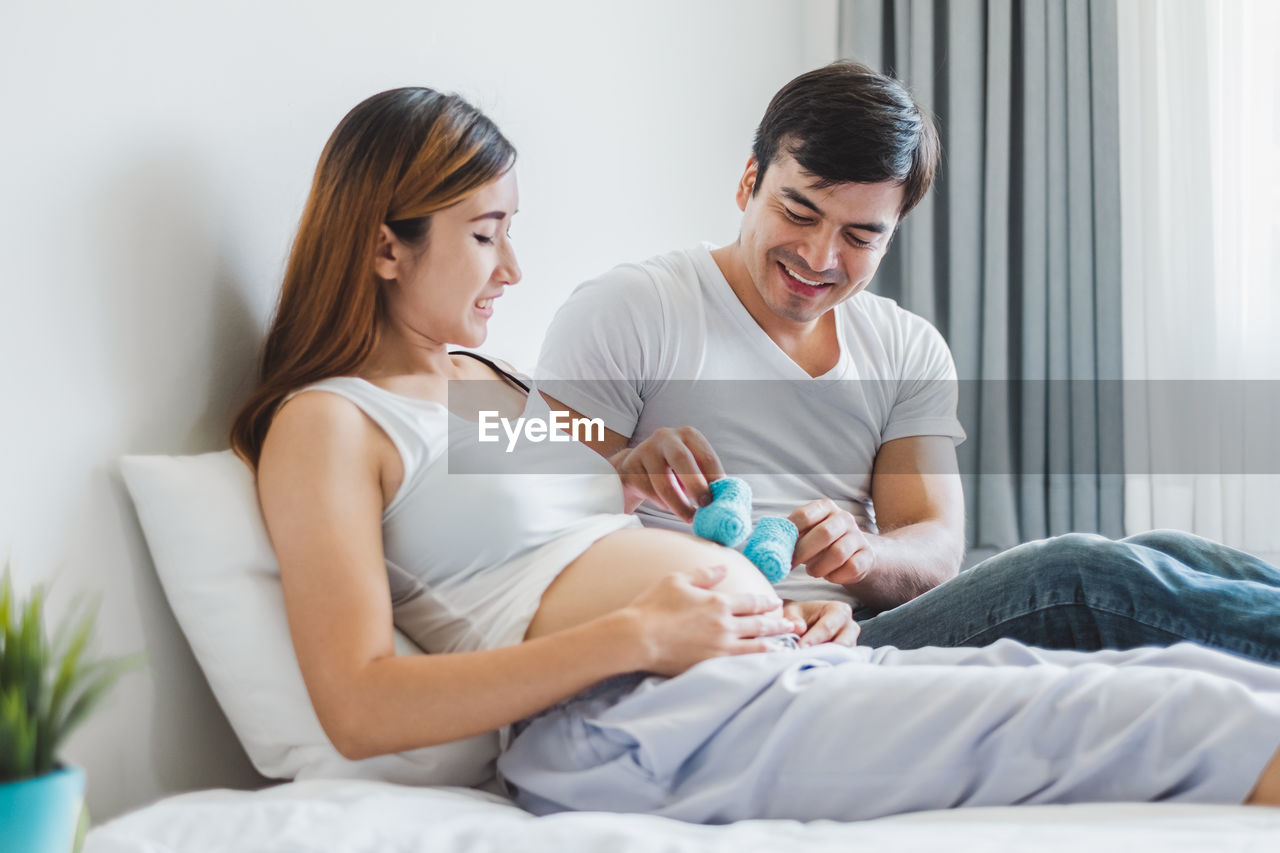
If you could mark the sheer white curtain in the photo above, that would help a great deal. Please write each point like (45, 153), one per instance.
(1200, 189)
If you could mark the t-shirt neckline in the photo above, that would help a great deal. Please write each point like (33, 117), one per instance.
(766, 345)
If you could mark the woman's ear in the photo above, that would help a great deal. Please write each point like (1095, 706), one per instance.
(387, 254)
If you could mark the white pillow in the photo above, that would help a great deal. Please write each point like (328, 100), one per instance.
(202, 523)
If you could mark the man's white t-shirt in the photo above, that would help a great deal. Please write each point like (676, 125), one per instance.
(667, 343)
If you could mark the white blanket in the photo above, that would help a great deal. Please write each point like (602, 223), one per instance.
(377, 816)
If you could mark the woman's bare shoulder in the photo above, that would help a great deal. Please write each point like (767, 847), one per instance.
(317, 414)
(475, 363)
(511, 368)
(316, 429)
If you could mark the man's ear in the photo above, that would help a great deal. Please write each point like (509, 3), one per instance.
(747, 184)
(387, 254)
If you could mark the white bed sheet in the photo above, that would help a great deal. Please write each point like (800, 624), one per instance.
(345, 815)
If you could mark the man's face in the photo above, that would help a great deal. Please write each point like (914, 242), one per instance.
(808, 249)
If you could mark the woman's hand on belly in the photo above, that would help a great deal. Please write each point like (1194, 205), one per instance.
(618, 568)
(686, 599)
(682, 621)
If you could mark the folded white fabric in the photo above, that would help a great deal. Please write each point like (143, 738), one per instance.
(204, 529)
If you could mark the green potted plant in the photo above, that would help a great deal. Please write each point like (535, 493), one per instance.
(47, 688)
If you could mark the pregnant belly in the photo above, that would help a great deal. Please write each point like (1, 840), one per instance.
(617, 568)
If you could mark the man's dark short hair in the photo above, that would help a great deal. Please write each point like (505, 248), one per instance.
(847, 123)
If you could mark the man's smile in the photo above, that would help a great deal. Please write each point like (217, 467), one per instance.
(800, 284)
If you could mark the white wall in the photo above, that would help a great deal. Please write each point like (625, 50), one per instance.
(153, 164)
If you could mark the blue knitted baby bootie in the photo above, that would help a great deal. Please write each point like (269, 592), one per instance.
(727, 519)
(771, 545)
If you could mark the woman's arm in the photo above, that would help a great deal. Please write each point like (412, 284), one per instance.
(323, 477)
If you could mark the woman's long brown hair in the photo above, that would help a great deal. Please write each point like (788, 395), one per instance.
(395, 159)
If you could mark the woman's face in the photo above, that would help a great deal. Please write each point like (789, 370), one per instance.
(446, 292)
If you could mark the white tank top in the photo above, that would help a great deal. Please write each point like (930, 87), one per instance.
(470, 554)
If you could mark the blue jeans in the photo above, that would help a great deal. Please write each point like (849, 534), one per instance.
(1082, 591)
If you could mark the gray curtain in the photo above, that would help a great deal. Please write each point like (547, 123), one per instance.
(1015, 254)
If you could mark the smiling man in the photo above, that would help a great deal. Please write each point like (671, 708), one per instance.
(785, 370)
(768, 359)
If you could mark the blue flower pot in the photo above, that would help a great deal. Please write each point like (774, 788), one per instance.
(39, 815)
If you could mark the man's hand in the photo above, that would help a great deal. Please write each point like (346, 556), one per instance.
(823, 622)
(831, 545)
(672, 468)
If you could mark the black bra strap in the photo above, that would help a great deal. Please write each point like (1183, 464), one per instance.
(511, 379)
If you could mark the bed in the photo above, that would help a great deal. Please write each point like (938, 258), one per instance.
(200, 518)
(352, 815)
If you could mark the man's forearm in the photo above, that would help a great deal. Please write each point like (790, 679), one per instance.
(909, 561)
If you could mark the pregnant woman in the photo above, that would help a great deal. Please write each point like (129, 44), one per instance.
(638, 670)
